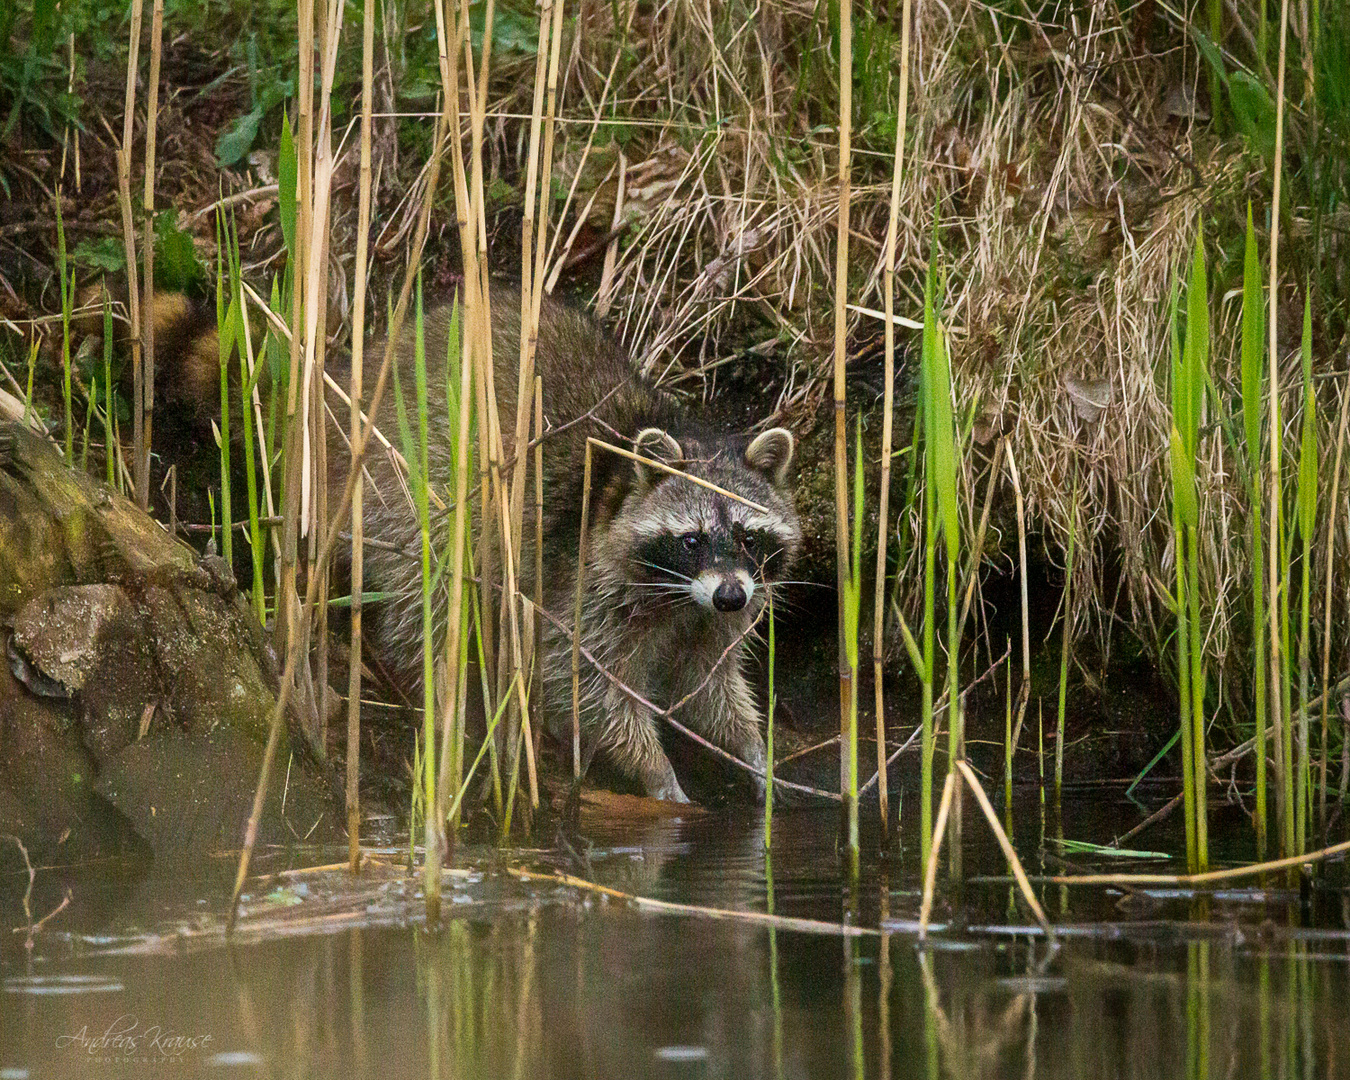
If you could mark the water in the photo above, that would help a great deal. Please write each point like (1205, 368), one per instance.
(532, 978)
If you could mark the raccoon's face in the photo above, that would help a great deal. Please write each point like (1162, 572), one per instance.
(686, 543)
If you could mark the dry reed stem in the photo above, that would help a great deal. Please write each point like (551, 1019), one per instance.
(576, 612)
(353, 791)
(887, 423)
(670, 470)
(1277, 673)
(139, 483)
(930, 871)
(847, 676)
(1327, 583)
(455, 692)
(1024, 693)
(146, 401)
(759, 918)
(1014, 863)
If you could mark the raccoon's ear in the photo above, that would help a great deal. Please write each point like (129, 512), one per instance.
(659, 445)
(770, 453)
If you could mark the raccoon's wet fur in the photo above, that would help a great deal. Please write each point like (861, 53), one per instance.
(676, 574)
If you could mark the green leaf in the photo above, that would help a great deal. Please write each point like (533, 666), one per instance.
(237, 139)
(287, 171)
(1254, 112)
(1195, 358)
(1253, 348)
(1183, 482)
(176, 264)
(106, 254)
(1306, 501)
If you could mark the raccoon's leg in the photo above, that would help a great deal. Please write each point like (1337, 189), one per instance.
(630, 740)
(725, 711)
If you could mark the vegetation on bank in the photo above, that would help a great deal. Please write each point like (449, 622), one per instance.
(1149, 380)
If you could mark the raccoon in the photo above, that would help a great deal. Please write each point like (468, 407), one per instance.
(676, 574)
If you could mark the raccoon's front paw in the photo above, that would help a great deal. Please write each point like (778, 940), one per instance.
(755, 758)
(670, 791)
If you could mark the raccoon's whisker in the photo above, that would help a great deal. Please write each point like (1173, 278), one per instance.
(663, 569)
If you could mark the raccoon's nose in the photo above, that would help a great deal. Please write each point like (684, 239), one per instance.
(729, 596)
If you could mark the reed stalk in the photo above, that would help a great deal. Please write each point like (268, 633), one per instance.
(146, 403)
(142, 491)
(1253, 375)
(353, 762)
(768, 737)
(852, 619)
(456, 647)
(1066, 631)
(227, 314)
(1327, 586)
(1279, 714)
(416, 453)
(67, 298)
(291, 627)
(1024, 692)
(234, 330)
(930, 527)
(1008, 747)
(1305, 517)
(847, 679)
(109, 454)
(887, 423)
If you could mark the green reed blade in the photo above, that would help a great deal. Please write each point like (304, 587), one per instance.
(1253, 389)
(1305, 516)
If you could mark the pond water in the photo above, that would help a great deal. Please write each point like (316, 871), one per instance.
(536, 978)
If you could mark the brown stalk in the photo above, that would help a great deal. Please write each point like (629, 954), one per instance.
(1276, 428)
(847, 677)
(1328, 582)
(1014, 863)
(357, 515)
(887, 423)
(781, 922)
(141, 486)
(930, 871)
(1024, 694)
(145, 403)
(576, 613)
(291, 631)
(455, 692)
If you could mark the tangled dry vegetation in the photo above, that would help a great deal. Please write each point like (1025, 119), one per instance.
(1068, 154)
(1070, 164)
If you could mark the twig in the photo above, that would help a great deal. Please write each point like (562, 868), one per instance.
(761, 918)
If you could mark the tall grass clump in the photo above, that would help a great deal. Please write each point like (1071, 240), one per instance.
(1189, 376)
(939, 515)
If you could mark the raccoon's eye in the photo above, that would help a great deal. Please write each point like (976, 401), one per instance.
(691, 540)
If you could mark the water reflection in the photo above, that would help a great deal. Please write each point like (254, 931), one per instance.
(555, 983)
